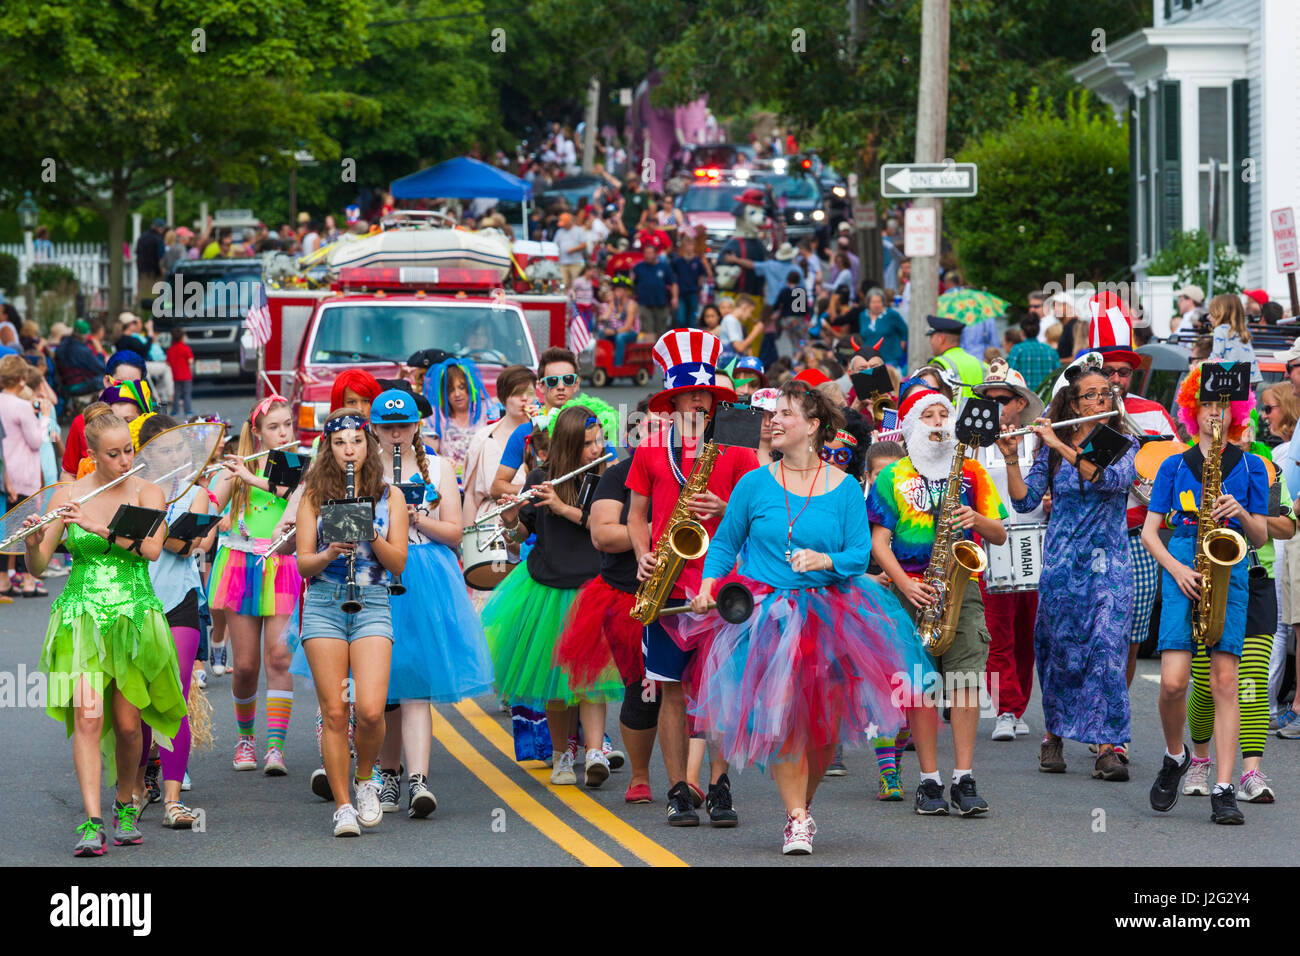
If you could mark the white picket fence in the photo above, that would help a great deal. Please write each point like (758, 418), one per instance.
(88, 261)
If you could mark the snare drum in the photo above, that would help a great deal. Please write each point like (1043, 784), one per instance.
(1018, 564)
(484, 556)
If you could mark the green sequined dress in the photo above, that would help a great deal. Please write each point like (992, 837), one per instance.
(108, 627)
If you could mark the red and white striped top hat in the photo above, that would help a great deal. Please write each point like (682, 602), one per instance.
(1111, 332)
(689, 358)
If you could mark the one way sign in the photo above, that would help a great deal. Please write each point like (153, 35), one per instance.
(902, 180)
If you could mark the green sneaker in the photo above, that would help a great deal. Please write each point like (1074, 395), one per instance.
(891, 787)
(92, 842)
(125, 832)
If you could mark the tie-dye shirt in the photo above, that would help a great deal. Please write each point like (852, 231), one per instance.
(905, 502)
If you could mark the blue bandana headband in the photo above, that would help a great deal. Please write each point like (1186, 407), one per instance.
(344, 422)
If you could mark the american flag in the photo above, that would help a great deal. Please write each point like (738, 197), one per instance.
(259, 318)
(579, 334)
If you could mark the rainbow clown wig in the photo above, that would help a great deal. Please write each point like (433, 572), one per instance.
(437, 389)
(1189, 407)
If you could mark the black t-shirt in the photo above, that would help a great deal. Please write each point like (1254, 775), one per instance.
(564, 556)
(618, 570)
(750, 283)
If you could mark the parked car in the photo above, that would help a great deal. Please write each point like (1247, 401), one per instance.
(800, 200)
(209, 298)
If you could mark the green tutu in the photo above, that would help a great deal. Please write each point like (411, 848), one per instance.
(107, 629)
(522, 622)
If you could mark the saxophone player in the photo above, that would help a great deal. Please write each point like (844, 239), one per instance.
(904, 507)
(660, 469)
(1242, 503)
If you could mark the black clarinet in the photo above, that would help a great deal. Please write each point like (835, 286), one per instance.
(351, 605)
(395, 585)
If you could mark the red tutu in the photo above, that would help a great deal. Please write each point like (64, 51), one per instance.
(599, 635)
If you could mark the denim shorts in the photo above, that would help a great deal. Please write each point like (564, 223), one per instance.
(322, 615)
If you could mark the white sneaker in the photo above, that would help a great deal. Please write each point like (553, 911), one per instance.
(562, 774)
(798, 836)
(201, 679)
(369, 812)
(217, 657)
(616, 758)
(1198, 779)
(1022, 728)
(1005, 727)
(345, 821)
(1255, 788)
(597, 768)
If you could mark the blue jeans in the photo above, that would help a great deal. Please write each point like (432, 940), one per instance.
(620, 346)
(323, 615)
(185, 396)
(688, 307)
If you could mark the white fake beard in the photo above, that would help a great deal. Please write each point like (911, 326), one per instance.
(932, 459)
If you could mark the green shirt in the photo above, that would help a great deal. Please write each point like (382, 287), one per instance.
(968, 368)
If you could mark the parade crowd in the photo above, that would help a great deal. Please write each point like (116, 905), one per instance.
(619, 585)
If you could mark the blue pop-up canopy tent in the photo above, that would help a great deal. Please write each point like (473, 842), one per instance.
(463, 178)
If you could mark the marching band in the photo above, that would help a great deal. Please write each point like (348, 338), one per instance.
(758, 574)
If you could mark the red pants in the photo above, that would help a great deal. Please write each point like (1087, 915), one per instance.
(1010, 620)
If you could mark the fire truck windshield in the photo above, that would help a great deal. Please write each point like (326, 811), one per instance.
(347, 333)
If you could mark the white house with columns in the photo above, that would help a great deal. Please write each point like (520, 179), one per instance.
(1210, 80)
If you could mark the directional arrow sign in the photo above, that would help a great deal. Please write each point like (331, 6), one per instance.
(900, 180)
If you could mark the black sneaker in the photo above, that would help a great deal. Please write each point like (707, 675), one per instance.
(965, 800)
(680, 811)
(390, 790)
(1223, 807)
(420, 801)
(151, 788)
(320, 784)
(1164, 792)
(929, 799)
(718, 803)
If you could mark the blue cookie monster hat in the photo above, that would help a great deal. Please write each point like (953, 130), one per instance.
(394, 407)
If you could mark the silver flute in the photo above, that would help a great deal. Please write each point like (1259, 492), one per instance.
(51, 516)
(1069, 421)
(213, 469)
(528, 495)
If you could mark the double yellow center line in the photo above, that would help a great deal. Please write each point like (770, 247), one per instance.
(530, 809)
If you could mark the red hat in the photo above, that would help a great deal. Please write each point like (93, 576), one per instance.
(689, 358)
(917, 401)
(1259, 295)
(812, 377)
(1112, 328)
(752, 197)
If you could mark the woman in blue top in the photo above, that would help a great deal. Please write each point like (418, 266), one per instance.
(1243, 506)
(350, 650)
(826, 652)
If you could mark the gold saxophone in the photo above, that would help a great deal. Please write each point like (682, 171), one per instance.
(952, 562)
(684, 539)
(1217, 549)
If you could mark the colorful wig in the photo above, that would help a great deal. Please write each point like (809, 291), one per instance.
(437, 389)
(1189, 407)
(606, 413)
(360, 381)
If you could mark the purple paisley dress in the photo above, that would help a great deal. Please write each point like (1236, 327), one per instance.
(1085, 600)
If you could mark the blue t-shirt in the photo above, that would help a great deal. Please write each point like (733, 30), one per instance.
(689, 272)
(513, 456)
(652, 282)
(1177, 491)
(834, 523)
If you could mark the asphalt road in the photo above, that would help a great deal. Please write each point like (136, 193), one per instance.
(493, 811)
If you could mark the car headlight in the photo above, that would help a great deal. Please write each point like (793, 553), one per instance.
(839, 191)
(312, 415)
(798, 216)
(819, 215)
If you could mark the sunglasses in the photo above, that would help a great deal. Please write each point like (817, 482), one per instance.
(553, 381)
(1292, 365)
(1265, 409)
(1110, 371)
(1095, 395)
(1002, 399)
(838, 456)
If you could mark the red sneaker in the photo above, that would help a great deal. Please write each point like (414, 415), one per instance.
(638, 793)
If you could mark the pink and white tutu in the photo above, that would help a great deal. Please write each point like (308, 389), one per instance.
(808, 669)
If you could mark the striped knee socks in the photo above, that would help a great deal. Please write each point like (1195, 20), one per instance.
(279, 705)
(885, 754)
(246, 715)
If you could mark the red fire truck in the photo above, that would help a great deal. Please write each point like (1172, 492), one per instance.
(375, 317)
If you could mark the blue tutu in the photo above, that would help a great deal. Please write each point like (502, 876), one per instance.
(439, 653)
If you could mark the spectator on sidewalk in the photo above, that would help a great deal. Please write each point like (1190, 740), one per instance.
(180, 357)
(656, 292)
(572, 240)
(149, 252)
(692, 272)
(1034, 360)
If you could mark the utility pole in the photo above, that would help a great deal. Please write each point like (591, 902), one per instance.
(589, 131)
(931, 129)
(866, 225)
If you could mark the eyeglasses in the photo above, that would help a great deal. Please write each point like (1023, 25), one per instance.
(1265, 409)
(1096, 395)
(1110, 371)
(839, 456)
(553, 381)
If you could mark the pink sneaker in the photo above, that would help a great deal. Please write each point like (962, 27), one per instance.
(274, 763)
(245, 754)
(798, 836)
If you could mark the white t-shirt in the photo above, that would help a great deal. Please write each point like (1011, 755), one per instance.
(731, 331)
(597, 233)
(567, 239)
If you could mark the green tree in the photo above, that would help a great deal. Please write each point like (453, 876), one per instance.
(1053, 199)
(103, 103)
(1184, 256)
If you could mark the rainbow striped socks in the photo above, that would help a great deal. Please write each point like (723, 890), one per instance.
(246, 715)
(885, 754)
(279, 705)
